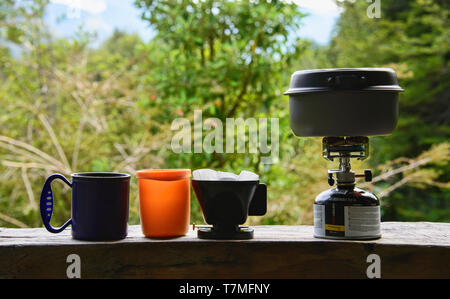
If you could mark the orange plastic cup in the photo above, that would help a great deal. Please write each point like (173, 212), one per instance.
(164, 201)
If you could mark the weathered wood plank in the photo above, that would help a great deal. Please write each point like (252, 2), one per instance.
(407, 250)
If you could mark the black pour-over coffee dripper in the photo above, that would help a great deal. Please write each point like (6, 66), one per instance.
(227, 204)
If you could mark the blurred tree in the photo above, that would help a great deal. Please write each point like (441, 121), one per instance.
(413, 38)
(223, 55)
(68, 108)
(229, 59)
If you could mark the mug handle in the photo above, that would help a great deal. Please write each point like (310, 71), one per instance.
(47, 203)
(258, 204)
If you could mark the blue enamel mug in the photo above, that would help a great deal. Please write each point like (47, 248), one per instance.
(100, 203)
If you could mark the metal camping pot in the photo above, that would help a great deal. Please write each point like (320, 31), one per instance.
(343, 102)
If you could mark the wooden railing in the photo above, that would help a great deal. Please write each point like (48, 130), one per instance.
(406, 250)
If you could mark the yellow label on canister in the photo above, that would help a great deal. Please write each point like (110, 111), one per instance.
(337, 228)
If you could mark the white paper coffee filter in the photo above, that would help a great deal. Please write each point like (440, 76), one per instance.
(227, 176)
(205, 175)
(213, 175)
(248, 176)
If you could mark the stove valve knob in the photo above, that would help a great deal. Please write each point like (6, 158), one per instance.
(367, 175)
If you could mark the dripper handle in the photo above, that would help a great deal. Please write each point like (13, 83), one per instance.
(258, 204)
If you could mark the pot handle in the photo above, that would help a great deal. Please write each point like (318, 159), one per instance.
(258, 204)
(352, 81)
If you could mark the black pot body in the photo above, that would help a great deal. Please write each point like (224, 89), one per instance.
(343, 113)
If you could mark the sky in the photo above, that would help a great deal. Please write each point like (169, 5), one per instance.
(103, 16)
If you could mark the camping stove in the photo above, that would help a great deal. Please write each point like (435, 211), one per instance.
(345, 105)
(346, 212)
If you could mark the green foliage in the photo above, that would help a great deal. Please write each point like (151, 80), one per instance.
(413, 38)
(67, 107)
(226, 58)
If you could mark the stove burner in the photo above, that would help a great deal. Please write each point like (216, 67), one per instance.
(345, 148)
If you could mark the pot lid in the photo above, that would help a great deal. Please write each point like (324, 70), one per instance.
(383, 79)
